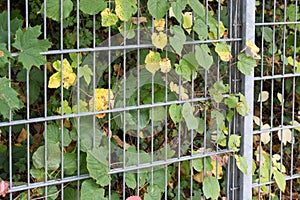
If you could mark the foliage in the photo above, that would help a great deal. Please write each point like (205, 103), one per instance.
(85, 83)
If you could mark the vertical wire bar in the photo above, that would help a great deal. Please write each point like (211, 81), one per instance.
(78, 97)
(45, 103)
(247, 86)
(10, 113)
(27, 108)
(62, 97)
(261, 89)
(94, 66)
(138, 97)
(205, 96)
(166, 122)
(230, 33)
(282, 89)
(152, 116)
(124, 112)
(272, 95)
(109, 104)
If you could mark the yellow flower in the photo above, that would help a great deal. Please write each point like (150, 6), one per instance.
(101, 101)
(69, 77)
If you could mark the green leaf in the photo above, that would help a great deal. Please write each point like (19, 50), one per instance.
(53, 9)
(54, 134)
(234, 142)
(8, 98)
(203, 56)
(53, 157)
(87, 137)
(217, 91)
(4, 55)
(70, 193)
(125, 9)
(268, 34)
(15, 24)
(158, 113)
(279, 179)
(198, 164)
(30, 47)
(92, 7)
(246, 64)
(157, 8)
(97, 165)
(218, 118)
(190, 120)
(197, 7)
(211, 187)
(153, 192)
(231, 101)
(242, 107)
(178, 40)
(177, 8)
(108, 18)
(52, 192)
(131, 180)
(86, 72)
(70, 163)
(38, 174)
(90, 191)
(191, 61)
(200, 28)
(241, 163)
(175, 113)
(183, 69)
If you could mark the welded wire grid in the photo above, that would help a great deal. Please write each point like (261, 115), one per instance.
(102, 54)
(276, 130)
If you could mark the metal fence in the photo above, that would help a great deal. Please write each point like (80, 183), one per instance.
(60, 142)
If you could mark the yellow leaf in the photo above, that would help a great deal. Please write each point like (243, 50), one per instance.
(214, 171)
(22, 136)
(285, 136)
(291, 62)
(279, 96)
(101, 101)
(256, 120)
(54, 80)
(224, 51)
(212, 36)
(1, 53)
(165, 65)
(198, 177)
(252, 49)
(159, 40)
(171, 12)
(264, 96)
(160, 25)
(295, 123)
(183, 92)
(134, 20)
(187, 21)
(152, 61)
(69, 77)
(265, 137)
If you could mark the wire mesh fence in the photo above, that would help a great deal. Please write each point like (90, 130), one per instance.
(275, 135)
(110, 101)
